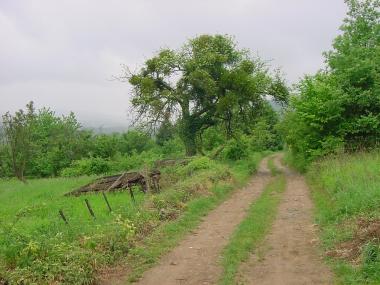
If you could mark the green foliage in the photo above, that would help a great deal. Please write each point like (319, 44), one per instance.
(371, 261)
(17, 133)
(345, 189)
(209, 81)
(173, 148)
(339, 109)
(136, 141)
(312, 126)
(212, 137)
(87, 166)
(132, 141)
(56, 141)
(264, 137)
(5, 161)
(38, 143)
(236, 149)
(125, 162)
(199, 163)
(166, 132)
(41, 144)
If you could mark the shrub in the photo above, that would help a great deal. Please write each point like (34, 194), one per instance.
(212, 138)
(87, 166)
(197, 164)
(236, 149)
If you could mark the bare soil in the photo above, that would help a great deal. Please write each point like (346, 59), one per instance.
(288, 255)
(195, 260)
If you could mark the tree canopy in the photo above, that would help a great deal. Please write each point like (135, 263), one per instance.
(208, 81)
(338, 109)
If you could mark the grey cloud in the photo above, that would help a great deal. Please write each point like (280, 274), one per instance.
(62, 53)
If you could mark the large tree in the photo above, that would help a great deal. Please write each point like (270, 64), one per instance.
(208, 81)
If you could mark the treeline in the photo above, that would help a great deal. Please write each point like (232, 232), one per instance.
(338, 109)
(38, 143)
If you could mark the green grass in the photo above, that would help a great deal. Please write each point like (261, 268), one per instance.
(344, 189)
(272, 167)
(252, 229)
(36, 246)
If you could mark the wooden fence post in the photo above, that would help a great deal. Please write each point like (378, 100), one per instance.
(131, 193)
(89, 208)
(63, 216)
(108, 204)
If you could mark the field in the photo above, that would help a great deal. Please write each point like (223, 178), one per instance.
(346, 191)
(36, 246)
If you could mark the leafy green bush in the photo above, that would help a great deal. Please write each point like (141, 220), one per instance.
(212, 138)
(264, 138)
(236, 149)
(87, 166)
(199, 163)
(173, 148)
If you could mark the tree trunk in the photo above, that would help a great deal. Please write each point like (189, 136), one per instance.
(190, 145)
(188, 134)
(188, 131)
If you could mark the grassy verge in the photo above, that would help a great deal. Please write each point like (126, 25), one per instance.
(346, 193)
(37, 247)
(252, 229)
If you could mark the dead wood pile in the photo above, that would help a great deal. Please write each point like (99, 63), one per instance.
(171, 162)
(121, 181)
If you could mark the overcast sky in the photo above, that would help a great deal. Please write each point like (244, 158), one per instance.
(63, 53)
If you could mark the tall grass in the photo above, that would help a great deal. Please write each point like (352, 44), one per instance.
(346, 188)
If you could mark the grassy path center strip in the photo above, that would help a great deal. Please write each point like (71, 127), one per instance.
(252, 229)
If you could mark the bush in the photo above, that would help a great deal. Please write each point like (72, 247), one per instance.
(264, 138)
(199, 163)
(236, 149)
(173, 148)
(87, 166)
(212, 138)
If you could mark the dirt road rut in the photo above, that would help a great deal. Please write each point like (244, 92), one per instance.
(288, 255)
(195, 259)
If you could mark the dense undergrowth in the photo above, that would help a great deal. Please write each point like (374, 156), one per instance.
(37, 247)
(346, 192)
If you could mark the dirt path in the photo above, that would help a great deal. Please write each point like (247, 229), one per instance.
(195, 259)
(288, 255)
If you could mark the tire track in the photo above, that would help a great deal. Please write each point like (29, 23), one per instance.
(288, 254)
(195, 260)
